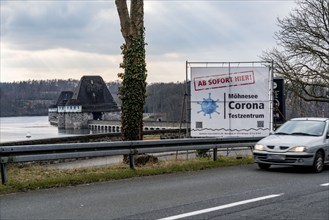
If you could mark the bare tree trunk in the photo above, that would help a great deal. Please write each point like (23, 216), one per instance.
(132, 24)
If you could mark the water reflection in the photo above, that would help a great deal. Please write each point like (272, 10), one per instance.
(32, 128)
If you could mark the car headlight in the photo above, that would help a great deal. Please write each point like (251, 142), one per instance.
(259, 147)
(298, 149)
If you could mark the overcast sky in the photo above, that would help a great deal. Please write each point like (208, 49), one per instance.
(68, 39)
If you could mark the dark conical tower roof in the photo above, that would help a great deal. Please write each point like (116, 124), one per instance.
(64, 97)
(94, 96)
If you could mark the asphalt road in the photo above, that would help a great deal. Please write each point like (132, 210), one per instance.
(241, 192)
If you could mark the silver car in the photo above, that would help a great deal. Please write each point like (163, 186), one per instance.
(298, 142)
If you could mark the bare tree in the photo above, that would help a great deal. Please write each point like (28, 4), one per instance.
(303, 60)
(133, 89)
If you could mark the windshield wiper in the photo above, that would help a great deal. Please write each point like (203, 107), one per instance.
(301, 133)
(281, 133)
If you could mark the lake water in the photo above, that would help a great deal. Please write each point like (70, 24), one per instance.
(31, 128)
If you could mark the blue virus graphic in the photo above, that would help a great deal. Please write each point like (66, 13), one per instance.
(208, 106)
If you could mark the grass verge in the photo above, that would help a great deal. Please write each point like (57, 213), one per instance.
(32, 177)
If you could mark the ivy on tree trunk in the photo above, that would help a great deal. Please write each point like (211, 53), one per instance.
(133, 89)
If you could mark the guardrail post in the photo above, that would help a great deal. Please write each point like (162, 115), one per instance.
(132, 161)
(215, 154)
(4, 174)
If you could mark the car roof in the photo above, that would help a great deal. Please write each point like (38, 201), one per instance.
(310, 119)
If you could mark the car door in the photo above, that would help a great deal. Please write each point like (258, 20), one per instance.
(327, 144)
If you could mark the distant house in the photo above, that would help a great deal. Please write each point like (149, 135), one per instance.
(91, 100)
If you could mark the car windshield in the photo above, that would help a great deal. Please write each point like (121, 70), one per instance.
(302, 127)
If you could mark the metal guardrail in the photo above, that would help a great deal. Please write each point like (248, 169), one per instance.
(46, 152)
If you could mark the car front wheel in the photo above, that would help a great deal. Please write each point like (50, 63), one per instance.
(264, 166)
(318, 162)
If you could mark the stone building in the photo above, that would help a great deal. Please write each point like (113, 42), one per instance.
(91, 100)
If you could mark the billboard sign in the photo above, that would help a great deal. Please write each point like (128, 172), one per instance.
(231, 101)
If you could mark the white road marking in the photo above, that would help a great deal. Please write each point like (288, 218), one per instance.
(325, 184)
(220, 207)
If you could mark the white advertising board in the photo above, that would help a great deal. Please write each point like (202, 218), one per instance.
(231, 101)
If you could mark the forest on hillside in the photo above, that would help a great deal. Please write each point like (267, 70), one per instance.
(33, 97)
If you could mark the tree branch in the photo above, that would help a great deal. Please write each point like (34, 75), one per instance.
(125, 21)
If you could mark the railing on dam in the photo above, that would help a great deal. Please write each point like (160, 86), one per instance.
(46, 152)
(115, 126)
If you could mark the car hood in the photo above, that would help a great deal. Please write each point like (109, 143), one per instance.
(291, 140)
